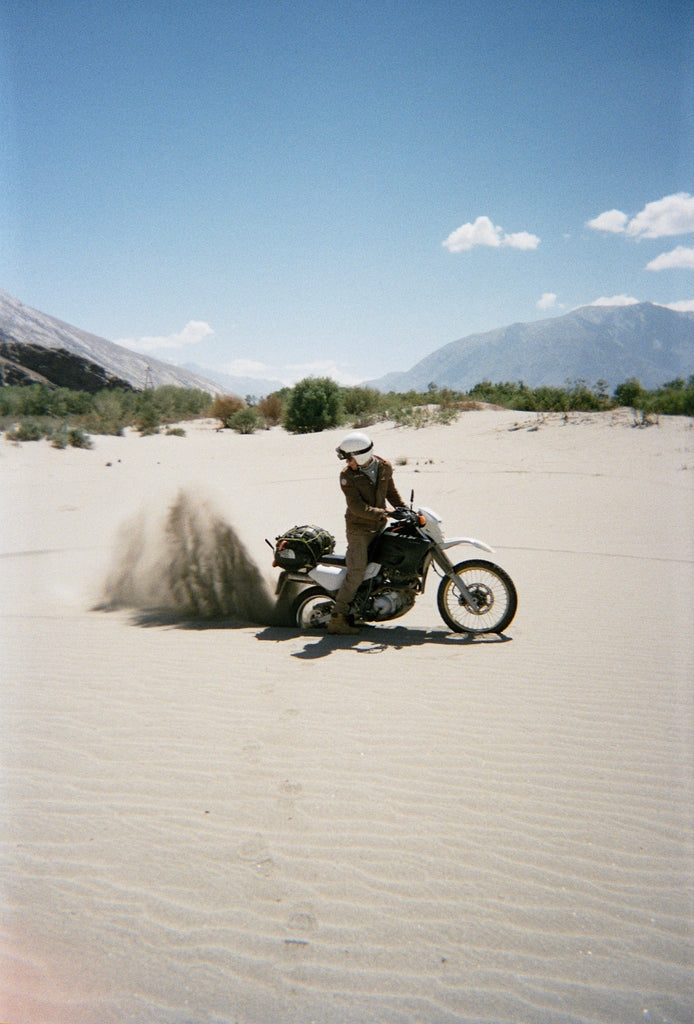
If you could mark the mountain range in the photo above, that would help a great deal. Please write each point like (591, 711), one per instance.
(594, 343)
(233, 385)
(611, 343)
(38, 347)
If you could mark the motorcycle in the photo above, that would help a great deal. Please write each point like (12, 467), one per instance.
(474, 596)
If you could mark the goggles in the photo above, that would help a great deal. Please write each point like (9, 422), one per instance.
(342, 454)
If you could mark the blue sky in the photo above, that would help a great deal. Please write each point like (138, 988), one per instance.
(285, 188)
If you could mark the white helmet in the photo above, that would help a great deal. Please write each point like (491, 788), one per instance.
(356, 446)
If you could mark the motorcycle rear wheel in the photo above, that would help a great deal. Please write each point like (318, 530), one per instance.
(312, 608)
(494, 590)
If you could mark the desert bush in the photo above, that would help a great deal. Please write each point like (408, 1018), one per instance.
(174, 403)
(271, 408)
(27, 430)
(24, 400)
(147, 416)
(361, 404)
(313, 405)
(246, 420)
(77, 438)
(583, 398)
(224, 407)
(110, 411)
(446, 414)
(467, 405)
(63, 402)
(629, 393)
(676, 398)
(412, 416)
(59, 437)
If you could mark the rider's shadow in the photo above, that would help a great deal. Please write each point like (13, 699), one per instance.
(378, 640)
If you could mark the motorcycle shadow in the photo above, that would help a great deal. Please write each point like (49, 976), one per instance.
(376, 640)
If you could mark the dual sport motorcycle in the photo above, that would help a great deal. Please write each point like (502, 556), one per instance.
(474, 596)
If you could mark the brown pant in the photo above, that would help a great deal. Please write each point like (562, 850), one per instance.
(358, 541)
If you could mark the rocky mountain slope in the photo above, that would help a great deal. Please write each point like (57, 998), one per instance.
(610, 343)
(38, 347)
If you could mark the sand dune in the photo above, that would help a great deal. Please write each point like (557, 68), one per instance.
(218, 819)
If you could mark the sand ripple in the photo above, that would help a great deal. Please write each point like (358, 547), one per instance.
(215, 825)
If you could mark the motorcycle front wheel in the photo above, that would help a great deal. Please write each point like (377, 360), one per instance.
(493, 591)
(312, 608)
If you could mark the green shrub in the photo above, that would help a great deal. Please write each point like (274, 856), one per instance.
(629, 393)
(361, 404)
(78, 439)
(447, 414)
(246, 421)
(417, 416)
(110, 411)
(313, 405)
(59, 438)
(27, 430)
(676, 398)
(74, 437)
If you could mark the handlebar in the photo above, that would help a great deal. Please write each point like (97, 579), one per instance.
(405, 515)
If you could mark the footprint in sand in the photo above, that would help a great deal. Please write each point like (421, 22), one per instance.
(256, 854)
(252, 750)
(290, 788)
(302, 919)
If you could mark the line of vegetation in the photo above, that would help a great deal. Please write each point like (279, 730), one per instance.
(319, 403)
(67, 418)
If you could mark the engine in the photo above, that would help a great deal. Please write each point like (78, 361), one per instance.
(389, 603)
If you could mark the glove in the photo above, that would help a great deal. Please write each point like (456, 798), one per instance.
(399, 513)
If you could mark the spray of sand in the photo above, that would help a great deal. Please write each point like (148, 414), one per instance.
(187, 564)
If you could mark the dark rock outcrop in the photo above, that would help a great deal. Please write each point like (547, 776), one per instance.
(25, 363)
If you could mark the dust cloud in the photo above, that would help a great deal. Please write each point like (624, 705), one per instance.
(186, 564)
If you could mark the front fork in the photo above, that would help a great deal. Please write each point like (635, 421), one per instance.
(444, 563)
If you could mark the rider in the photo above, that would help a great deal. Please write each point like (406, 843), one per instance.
(366, 482)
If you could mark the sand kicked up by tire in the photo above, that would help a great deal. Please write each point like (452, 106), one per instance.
(186, 563)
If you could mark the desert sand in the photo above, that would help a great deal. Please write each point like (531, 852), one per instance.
(218, 821)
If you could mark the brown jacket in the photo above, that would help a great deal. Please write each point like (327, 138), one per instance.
(366, 502)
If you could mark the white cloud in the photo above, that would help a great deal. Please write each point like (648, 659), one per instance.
(193, 332)
(671, 215)
(250, 368)
(679, 258)
(521, 240)
(548, 301)
(685, 306)
(483, 232)
(613, 221)
(616, 300)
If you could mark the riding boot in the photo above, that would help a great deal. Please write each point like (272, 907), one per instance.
(339, 624)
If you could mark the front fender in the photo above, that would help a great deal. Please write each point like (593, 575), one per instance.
(466, 540)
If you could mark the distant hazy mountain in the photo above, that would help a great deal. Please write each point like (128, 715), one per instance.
(610, 343)
(242, 386)
(76, 357)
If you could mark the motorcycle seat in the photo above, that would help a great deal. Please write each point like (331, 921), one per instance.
(333, 560)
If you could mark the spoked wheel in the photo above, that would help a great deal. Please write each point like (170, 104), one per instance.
(312, 608)
(493, 591)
